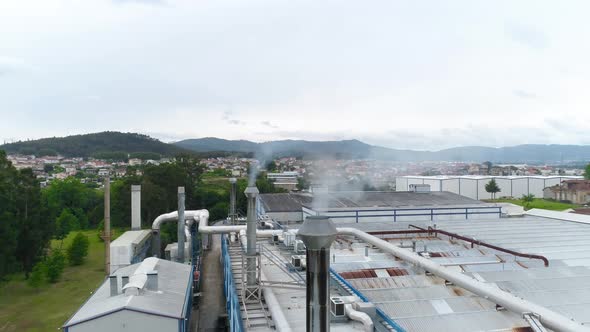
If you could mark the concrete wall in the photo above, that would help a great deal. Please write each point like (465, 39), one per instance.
(127, 321)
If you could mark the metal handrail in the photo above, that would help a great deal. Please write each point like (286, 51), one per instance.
(229, 288)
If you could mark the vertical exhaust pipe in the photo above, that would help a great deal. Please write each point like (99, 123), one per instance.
(135, 207)
(180, 254)
(107, 225)
(251, 193)
(232, 200)
(318, 233)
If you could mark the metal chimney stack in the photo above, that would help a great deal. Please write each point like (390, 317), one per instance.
(180, 224)
(135, 207)
(107, 225)
(251, 193)
(232, 200)
(318, 233)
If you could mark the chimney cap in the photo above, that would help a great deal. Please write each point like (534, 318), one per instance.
(317, 232)
(181, 190)
(251, 191)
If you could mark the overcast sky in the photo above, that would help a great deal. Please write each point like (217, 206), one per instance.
(405, 74)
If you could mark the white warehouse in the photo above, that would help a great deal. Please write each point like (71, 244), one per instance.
(155, 295)
(474, 186)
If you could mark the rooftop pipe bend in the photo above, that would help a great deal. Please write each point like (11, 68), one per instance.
(547, 317)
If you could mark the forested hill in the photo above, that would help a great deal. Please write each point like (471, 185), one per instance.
(101, 145)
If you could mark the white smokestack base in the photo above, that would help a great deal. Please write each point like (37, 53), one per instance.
(135, 207)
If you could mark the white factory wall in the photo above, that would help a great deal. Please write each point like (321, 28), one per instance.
(474, 187)
(127, 320)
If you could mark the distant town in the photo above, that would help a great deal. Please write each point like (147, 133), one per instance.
(285, 172)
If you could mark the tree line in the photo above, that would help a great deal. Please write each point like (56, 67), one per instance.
(30, 216)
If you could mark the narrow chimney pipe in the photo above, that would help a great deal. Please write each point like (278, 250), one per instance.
(135, 207)
(318, 233)
(107, 225)
(180, 254)
(251, 193)
(232, 200)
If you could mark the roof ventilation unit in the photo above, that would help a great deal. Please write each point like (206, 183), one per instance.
(298, 246)
(298, 262)
(420, 188)
(337, 307)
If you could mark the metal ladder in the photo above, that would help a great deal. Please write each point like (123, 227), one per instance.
(255, 312)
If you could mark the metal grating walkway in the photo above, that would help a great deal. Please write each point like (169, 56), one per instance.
(255, 314)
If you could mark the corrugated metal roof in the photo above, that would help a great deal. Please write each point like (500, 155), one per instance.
(169, 300)
(424, 303)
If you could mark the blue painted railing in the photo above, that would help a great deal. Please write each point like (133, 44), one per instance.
(229, 288)
(362, 296)
(423, 212)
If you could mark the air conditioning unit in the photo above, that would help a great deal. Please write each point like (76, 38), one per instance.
(337, 307)
(275, 238)
(262, 223)
(289, 238)
(299, 246)
(296, 261)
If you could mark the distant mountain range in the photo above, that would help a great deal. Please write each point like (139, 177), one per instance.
(354, 149)
(107, 143)
(104, 144)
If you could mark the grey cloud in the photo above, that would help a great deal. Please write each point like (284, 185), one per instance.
(228, 116)
(524, 94)
(527, 35)
(269, 124)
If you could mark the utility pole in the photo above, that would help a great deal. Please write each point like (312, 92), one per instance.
(107, 225)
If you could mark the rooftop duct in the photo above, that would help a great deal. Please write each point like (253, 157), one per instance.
(113, 285)
(135, 207)
(318, 233)
(232, 200)
(181, 224)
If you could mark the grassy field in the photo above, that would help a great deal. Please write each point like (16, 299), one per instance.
(23, 308)
(538, 203)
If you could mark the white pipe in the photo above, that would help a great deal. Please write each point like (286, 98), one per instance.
(360, 317)
(548, 318)
(277, 314)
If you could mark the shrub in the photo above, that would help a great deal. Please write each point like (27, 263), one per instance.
(56, 264)
(78, 250)
(37, 274)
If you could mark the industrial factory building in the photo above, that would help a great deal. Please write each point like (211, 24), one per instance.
(359, 261)
(474, 186)
(370, 206)
(155, 295)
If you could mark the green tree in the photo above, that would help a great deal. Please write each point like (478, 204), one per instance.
(78, 250)
(34, 231)
(65, 223)
(492, 188)
(56, 264)
(527, 200)
(587, 172)
(8, 213)
(37, 274)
